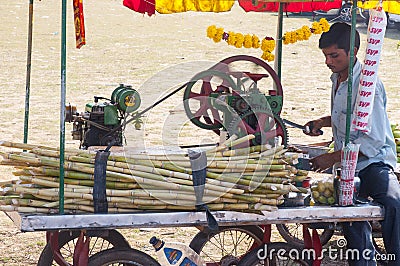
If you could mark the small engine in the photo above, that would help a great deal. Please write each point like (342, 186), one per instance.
(100, 123)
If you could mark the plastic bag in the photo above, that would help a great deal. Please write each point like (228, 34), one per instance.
(322, 191)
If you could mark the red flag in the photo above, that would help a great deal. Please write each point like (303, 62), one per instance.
(79, 23)
(296, 7)
(141, 6)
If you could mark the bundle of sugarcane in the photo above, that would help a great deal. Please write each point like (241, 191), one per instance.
(253, 179)
(396, 134)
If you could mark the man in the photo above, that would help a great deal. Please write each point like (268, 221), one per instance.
(377, 156)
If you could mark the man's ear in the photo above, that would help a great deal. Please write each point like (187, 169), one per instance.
(355, 51)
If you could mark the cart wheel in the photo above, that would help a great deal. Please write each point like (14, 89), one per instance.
(377, 240)
(67, 242)
(293, 234)
(273, 254)
(345, 12)
(228, 245)
(118, 256)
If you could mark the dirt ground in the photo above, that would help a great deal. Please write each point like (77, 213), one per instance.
(153, 54)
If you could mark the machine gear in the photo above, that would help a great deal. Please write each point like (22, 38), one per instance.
(262, 123)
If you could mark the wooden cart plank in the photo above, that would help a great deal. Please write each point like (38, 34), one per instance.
(309, 214)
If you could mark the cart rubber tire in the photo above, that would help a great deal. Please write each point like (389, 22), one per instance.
(253, 233)
(297, 241)
(131, 257)
(114, 239)
(397, 25)
(377, 240)
(251, 258)
(345, 12)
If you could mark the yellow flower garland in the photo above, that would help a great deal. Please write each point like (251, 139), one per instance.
(239, 40)
(267, 45)
(305, 32)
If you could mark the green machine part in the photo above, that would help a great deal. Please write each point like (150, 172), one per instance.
(268, 102)
(243, 103)
(110, 112)
(110, 115)
(127, 99)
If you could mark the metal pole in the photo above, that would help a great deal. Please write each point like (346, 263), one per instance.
(62, 107)
(350, 78)
(28, 71)
(279, 33)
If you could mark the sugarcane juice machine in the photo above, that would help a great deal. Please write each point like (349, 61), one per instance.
(223, 98)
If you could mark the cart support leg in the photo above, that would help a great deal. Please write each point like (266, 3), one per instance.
(52, 240)
(81, 252)
(267, 233)
(313, 242)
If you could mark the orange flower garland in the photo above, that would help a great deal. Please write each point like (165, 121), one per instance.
(267, 45)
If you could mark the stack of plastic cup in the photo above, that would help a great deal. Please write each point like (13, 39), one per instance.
(349, 163)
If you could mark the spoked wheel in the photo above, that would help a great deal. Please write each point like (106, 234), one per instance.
(293, 234)
(377, 240)
(264, 124)
(228, 245)
(205, 95)
(200, 98)
(273, 254)
(345, 12)
(67, 242)
(126, 257)
(250, 64)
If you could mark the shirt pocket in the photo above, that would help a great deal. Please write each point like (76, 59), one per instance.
(341, 127)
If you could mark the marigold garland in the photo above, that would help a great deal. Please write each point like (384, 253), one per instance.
(239, 40)
(304, 33)
(267, 44)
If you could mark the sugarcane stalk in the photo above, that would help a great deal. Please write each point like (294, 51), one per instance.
(28, 202)
(55, 204)
(283, 173)
(170, 174)
(228, 144)
(261, 207)
(123, 173)
(272, 152)
(70, 174)
(118, 193)
(84, 182)
(223, 145)
(21, 209)
(264, 195)
(23, 146)
(265, 178)
(254, 199)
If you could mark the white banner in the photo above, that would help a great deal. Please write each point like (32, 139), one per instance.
(369, 74)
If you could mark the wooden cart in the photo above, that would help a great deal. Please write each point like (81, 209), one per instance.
(83, 233)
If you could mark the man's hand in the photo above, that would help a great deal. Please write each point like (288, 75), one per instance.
(312, 130)
(325, 161)
(315, 126)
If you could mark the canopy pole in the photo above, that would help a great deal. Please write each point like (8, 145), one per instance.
(279, 34)
(351, 65)
(28, 71)
(62, 107)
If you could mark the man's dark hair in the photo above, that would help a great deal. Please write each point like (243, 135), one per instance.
(339, 34)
